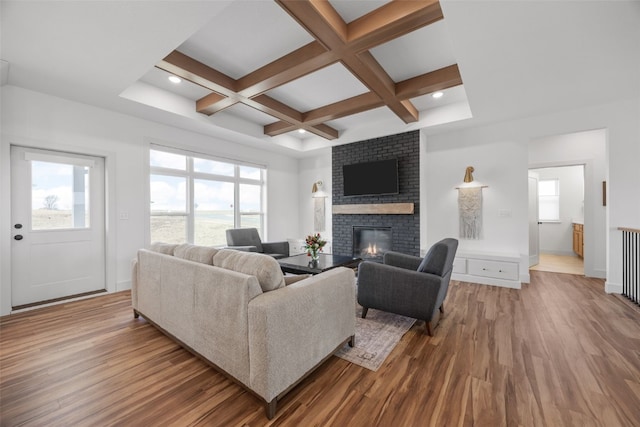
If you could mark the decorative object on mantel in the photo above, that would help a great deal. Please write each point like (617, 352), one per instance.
(318, 206)
(470, 206)
(313, 245)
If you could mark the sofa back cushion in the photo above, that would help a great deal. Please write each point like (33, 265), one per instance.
(265, 268)
(163, 248)
(201, 254)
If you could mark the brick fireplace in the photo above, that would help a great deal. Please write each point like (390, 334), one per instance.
(404, 228)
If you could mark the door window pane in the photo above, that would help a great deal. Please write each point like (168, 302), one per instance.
(213, 167)
(549, 200)
(59, 196)
(167, 160)
(213, 211)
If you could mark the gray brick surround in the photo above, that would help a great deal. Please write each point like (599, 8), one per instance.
(405, 228)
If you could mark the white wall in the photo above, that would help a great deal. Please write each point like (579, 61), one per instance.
(500, 162)
(588, 148)
(312, 169)
(499, 152)
(556, 237)
(35, 119)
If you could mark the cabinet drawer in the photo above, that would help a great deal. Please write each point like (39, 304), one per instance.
(460, 265)
(496, 269)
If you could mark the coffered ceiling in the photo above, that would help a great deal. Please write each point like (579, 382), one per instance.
(255, 71)
(322, 67)
(339, 58)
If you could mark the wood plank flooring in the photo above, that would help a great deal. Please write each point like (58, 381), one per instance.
(559, 352)
(560, 264)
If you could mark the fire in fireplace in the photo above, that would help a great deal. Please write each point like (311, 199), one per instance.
(371, 243)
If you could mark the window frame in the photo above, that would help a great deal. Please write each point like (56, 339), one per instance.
(191, 176)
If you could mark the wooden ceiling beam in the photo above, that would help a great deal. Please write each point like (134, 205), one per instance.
(293, 117)
(322, 21)
(214, 103)
(393, 20)
(190, 69)
(354, 105)
(305, 60)
(441, 79)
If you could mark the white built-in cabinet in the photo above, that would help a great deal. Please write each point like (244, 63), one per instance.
(488, 268)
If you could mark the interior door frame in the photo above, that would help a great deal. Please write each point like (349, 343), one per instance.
(589, 215)
(5, 210)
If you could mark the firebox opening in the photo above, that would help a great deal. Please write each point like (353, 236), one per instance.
(371, 243)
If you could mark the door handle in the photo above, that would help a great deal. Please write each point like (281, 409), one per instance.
(539, 222)
(18, 226)
(18, 237)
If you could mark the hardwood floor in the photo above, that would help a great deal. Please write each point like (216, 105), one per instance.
(560, 352)
(560, 264)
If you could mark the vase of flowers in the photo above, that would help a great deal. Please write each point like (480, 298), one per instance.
(314, 244)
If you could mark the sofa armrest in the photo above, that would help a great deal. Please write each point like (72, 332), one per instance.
(294, 328)
(243, 248)
(276, 248)
(398, 290)
(401, 260)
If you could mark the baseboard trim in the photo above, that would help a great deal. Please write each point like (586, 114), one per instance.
(612, 288)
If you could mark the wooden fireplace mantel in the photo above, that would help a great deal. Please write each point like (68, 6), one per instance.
(375, 208)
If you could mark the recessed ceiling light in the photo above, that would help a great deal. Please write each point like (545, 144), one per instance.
(301, 131)
(175, 79)
(437, 95)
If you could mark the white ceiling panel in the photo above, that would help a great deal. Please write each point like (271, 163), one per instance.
(416, 53)
(250, 114)
(331, 84)
(245, 37)
(351, 10)
(451, 96)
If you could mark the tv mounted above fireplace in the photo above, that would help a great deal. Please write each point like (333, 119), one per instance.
(371, 178)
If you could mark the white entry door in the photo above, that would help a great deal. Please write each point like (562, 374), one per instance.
(534, 222)
(58, 225)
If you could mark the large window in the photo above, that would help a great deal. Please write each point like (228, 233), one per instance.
(195, 198)
(549, 200)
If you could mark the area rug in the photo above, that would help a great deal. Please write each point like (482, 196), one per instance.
(376, 337)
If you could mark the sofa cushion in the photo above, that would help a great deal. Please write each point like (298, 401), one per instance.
(265, 268)
(289, 280)
(163, 248)
(201, 254)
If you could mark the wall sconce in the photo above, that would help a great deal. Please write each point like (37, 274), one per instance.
(316, 190)
(469, 182)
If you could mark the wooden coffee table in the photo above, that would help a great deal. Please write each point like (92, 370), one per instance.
(302, 264)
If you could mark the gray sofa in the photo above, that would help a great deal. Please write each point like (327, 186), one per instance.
(234, 309)
(408, 285)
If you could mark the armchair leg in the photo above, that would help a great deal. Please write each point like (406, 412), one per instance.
(364, 312)
(352, 341)
(428, 328)
(442, 308)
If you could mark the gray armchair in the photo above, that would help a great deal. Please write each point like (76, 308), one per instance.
(408, 285)
(248, 239)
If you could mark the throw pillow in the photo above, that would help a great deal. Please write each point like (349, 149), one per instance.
(163, 248)
(201, 254)
(265, 268)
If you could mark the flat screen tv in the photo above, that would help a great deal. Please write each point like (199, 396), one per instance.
(370, 178)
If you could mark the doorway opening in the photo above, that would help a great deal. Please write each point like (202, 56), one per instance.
(560, 218)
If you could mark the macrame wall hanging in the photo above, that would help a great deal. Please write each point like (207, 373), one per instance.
(470, 207)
